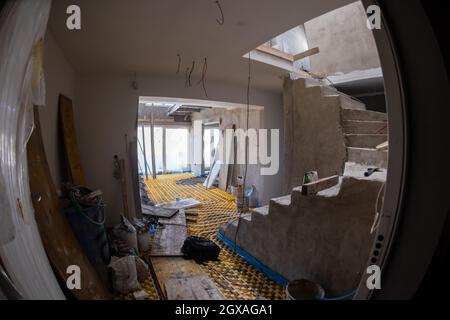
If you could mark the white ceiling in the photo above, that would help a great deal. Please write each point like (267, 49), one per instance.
(144, 36)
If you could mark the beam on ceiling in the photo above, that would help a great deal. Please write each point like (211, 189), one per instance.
(275, 52)
(306, 54)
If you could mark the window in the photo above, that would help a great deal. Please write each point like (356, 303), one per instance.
(170, 156)
(176, 149)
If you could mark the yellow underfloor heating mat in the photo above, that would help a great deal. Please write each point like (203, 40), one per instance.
(233, 276)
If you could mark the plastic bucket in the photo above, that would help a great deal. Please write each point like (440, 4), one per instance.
(304, 290)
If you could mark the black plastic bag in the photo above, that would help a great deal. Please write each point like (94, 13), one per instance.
(200, 249)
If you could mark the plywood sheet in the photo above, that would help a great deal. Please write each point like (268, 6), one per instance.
(158, 211)
(192, 288)
(70, 141)
(179, 219)
(170, 236)
(213, 174)
(172, 267)
(182, 204)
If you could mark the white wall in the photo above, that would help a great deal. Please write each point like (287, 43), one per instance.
(106, 110)
(60, 78)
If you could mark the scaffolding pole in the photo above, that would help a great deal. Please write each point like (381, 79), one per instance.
(152, 140)
(143, 150)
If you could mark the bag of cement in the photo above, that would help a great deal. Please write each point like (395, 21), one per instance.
(127, 233)
(140, 295)
(124, 274)
(142, 270)
(144, 241)
(143, 234)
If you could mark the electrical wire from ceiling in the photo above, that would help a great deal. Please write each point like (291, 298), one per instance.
(249, 81)
(186, 77)
(179, 63)
(220, 21)
(203, 79)
(190, 73)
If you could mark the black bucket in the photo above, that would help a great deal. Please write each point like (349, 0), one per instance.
(88, 225)
(304, 290)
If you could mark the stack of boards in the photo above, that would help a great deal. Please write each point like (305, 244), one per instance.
(171, 230)
(178, 278)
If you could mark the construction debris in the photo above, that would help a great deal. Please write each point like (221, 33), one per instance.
(191, 181)
(143, 193)
(181, 204)
(140, 295)
(371, 171)
(235, 278)
(169, 236)
(315, 187)
(383, 146)
(158, 211)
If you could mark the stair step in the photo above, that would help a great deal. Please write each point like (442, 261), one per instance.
(247, 216)
(315, 187)
(369, 157)
(367, 141)
(284, 201)
(348, 103)
(364, 127)
(363, 115)
(264, 211)
(317, 91)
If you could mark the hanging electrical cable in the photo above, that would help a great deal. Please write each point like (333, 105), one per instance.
(186, 77)
(190, 73)
(203, 79)
(249, 80)
(247, 117)
(220, 21)
(179, 63)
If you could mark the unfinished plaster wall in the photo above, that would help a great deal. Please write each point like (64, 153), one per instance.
(107, 110)
(238, 117)
(345, 42)
(314, 140)
(60, 78)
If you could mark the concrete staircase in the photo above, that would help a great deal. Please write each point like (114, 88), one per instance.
(325, 237)
(363, 130)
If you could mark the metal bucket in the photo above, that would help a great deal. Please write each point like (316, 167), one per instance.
(304, 290)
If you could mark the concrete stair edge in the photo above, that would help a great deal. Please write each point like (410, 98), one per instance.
(364, 140)
(367, 156)
(363, 115)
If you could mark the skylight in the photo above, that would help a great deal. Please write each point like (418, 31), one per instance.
(289, 51)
